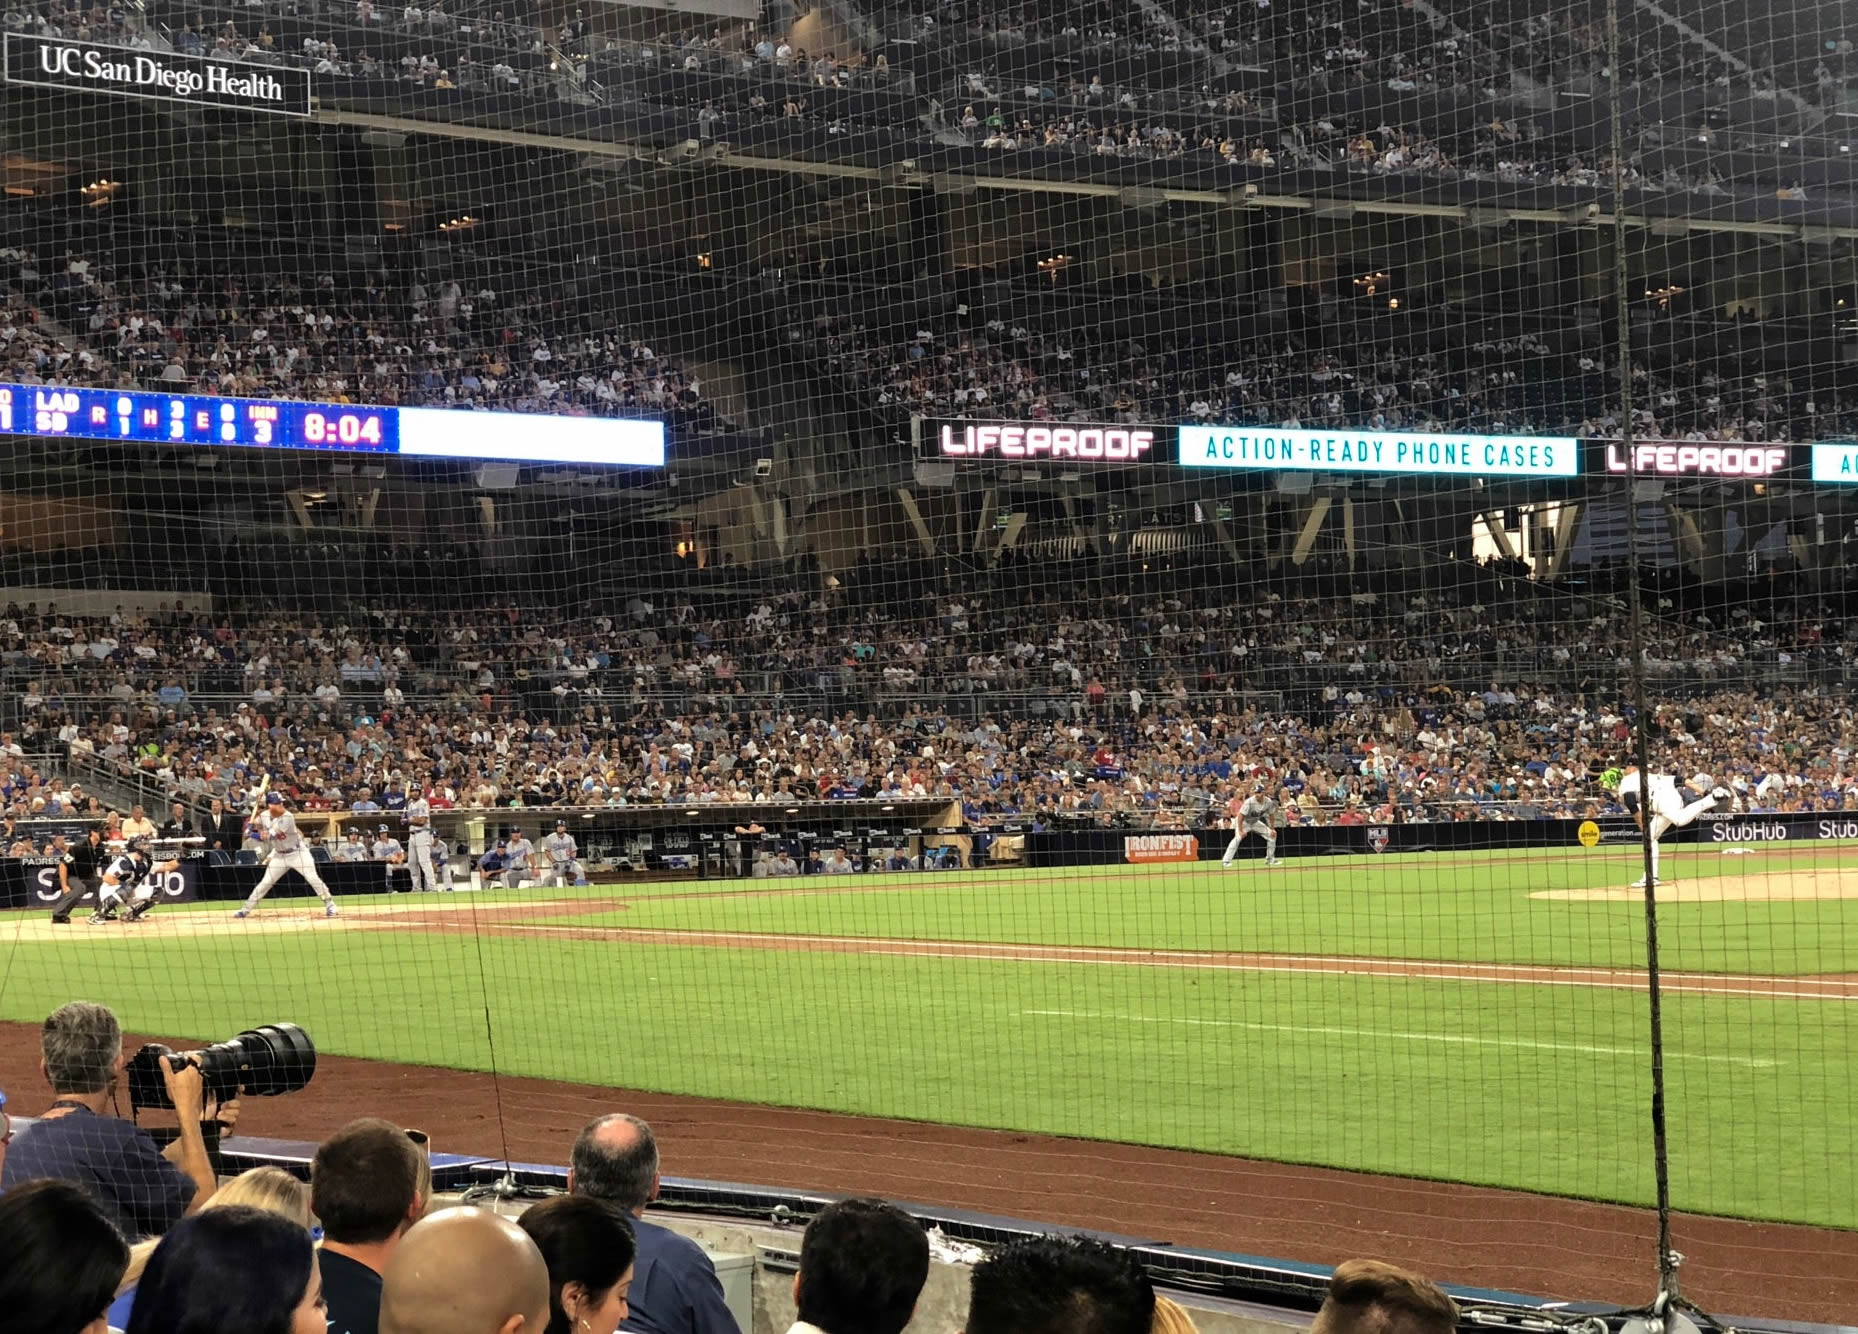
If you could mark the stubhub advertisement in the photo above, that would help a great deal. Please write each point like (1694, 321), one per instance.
(1294, 449)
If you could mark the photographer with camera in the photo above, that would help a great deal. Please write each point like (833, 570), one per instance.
(144, 1189)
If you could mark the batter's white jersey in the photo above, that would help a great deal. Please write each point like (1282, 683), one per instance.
(287, 853)
(279, 833)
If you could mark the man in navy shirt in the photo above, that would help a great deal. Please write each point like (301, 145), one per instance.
(145, 1190)
(368, 1186)
(674, 1285)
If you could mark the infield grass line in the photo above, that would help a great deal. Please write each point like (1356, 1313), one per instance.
(1397, 1035)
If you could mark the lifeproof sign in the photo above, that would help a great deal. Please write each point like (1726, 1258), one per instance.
(1139, 848)
(1037, 442)
(1670, 458)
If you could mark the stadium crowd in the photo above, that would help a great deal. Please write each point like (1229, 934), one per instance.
(106, 1232)
(1520, 381)
(1023, 702)
(220, 325)
(217, 324)
(177, 315)
(1454, 45)
(1091, 93)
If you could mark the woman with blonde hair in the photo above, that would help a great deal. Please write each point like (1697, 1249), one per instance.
(1171, 1318)
(271, 1189)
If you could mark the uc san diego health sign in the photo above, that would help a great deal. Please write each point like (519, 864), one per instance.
(167, 76)
(1277, 448)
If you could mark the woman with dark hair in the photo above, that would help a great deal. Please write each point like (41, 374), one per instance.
(63, 1260)
(231, 1271)
(588, 1246)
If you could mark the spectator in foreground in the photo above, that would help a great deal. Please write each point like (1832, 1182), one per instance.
(1172, 1318)
(64, 1258)
(1370, 1297)
(863, 1264)
(1060, 1285)
(368, 1187)
(271, 1189)
(145, 1190)
(465, 1271)
(237, 1270)
(588, 1247)
(674, 1288)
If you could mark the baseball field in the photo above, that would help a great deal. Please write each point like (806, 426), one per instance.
(1474, 1018)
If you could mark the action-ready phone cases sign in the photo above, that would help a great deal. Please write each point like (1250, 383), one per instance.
(1296, 449)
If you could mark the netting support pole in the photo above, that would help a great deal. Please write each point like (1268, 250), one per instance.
(1668, 1259)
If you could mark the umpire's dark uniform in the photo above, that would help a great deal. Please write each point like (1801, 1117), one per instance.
(82, 866)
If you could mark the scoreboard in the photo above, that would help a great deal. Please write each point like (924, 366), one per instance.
(135, 416)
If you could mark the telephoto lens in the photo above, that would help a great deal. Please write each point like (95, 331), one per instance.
(259, 1063)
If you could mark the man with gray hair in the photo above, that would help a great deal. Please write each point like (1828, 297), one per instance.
(145, 1190)
(674, 1285)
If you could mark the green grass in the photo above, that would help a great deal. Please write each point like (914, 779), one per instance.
(1461, 908)
(1541, 1087)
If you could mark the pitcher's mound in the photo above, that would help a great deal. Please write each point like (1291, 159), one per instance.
(1761, 887)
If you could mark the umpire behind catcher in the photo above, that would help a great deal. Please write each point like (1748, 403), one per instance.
(80, 865)
(144, 1190)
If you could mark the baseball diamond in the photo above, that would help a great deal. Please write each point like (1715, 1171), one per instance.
(1230, 624)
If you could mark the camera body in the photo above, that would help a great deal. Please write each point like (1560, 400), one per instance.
(258, 1063)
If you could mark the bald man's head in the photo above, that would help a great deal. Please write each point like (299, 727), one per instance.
(465, 1271)
(615, 1159)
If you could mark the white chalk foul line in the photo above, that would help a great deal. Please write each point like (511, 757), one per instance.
(1543, 975)
(1399, 1035)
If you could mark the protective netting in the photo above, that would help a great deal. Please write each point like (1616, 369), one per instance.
(1168, 511)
